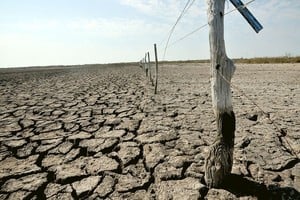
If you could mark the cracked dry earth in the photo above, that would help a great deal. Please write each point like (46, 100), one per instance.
(98, 132)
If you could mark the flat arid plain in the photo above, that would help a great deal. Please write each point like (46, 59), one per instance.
(99, 132)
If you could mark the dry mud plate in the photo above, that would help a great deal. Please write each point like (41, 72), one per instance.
(99, 132)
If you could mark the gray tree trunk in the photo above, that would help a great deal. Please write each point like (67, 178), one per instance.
(219, 162)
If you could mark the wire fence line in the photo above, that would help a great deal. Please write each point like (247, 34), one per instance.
(187, 6)
(204, 25)
(146, 65)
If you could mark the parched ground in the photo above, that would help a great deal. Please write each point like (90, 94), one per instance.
(99, 132)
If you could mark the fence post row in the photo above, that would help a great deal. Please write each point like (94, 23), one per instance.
(145, 63)
(218, 163)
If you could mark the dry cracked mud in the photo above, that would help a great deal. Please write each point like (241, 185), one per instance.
(99, 132)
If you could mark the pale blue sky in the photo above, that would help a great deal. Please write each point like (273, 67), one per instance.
(63, 32)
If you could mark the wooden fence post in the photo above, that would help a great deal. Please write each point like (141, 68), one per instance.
(219, 162)
(156, 69)
(149, 68)
(146, 65)
(143, 63)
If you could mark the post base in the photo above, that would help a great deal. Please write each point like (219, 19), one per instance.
(218, 163)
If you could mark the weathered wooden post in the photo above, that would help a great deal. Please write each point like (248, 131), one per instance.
(218, 163)
(156, 69)
(143, 63)
(149, 68)
(146, 65)
(220, 159)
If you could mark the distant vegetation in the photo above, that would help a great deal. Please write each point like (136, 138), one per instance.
(261, 60)
(283, 59)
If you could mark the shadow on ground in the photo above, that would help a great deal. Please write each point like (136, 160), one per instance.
(242, 186)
